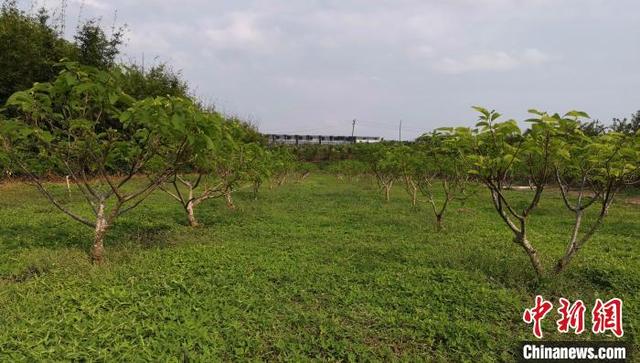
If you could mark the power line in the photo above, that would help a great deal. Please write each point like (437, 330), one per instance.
(365, 126)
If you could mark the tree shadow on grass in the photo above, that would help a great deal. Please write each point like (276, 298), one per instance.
(68, 234)
(49, 235)
(506, 267)
(145, 235)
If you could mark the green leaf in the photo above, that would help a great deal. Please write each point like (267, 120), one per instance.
(577, 114)
(482, 110)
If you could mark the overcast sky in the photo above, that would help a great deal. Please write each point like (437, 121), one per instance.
(312, 66)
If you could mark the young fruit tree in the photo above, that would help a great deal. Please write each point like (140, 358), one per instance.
(243, 160)
(282, 164)
(230, 162)
(590, 171)
(303, 169)
(193, 182)
(443, 169)
(409, 162)
(382, 161)
(257, 166)
(217, 170)
(500, 153)
(83, 126)
(348, 169)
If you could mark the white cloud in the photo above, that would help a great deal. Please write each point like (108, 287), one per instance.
(149, 40)
(381, 60)
(421, 51)
(535, 56)
(491, 61)
(96, 4)
(240, 31)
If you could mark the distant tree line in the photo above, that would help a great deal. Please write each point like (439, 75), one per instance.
(326, 155)
(625, 126)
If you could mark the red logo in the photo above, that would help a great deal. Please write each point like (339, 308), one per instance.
(536, 314)
(572, 316)
(605, 316)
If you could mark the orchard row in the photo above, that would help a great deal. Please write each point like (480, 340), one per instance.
(117, 150)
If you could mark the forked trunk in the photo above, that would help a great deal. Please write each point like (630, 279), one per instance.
(387, 192)
(191, 216)
(520, 236)
(412, 189)
(576, 244)
(564, 261)
(532, 253)
(229, 200)
(97, 250)
(439, 213)
(282, 180)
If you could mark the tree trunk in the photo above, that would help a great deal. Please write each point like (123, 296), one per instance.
(564, 261)
(439, 224)
(68, 185)
(97, 250)
(282, 180)
(414, 198)
(191, 216)
(532, 253)
(576, 244)
(387, 192)
(572, 248)
(227, 196)
(256, 189)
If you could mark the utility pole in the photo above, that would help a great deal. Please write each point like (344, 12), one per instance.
(353, 129)
(400, 131)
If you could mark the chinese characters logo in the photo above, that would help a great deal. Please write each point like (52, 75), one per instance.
(605, 316)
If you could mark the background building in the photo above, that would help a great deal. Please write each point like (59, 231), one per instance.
(320, 139)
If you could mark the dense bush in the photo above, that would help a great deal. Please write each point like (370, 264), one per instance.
(31, 45)
(347, 169)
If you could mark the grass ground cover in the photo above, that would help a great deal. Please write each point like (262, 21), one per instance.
(320, 269)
